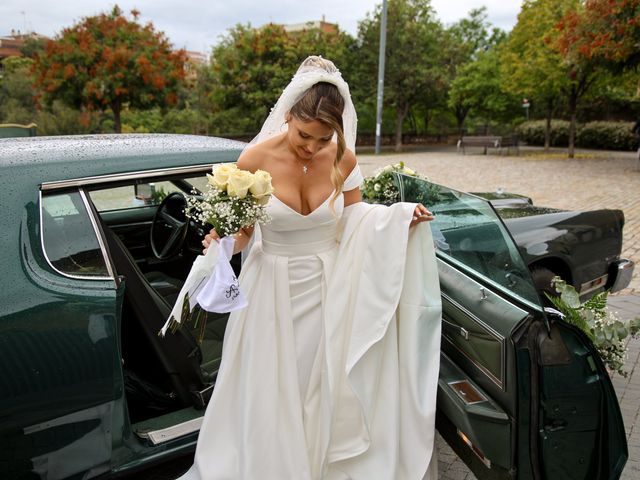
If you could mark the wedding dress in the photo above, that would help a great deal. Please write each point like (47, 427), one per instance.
(331, 371)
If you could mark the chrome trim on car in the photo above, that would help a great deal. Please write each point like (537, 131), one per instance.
(591, 285)
(118, 177)
(471, 273)
(500, 382)
(44, 251)
(98, 232)
(175, 431)
(624, 272)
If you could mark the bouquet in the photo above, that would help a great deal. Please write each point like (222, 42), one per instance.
(233, 199)
(603, 327)
(383, 186)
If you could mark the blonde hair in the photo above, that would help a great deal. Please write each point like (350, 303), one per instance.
(324, 103)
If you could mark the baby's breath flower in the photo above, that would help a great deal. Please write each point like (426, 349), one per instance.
(227, 213)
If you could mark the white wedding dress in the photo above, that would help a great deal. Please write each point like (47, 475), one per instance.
(331, 371)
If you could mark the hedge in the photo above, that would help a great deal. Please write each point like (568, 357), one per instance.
(603, 135)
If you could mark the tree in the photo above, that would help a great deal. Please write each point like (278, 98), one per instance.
(581, 67)
(16, 95)
(107, 62)
(466, 39)
(413, 61)
(251, 66)
(532, 67)
(605, 31)
(478, 87)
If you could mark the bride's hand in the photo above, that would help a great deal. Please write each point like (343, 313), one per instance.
(209, 237)
(420, 214)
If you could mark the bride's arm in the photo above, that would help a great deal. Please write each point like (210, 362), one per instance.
(347, 164)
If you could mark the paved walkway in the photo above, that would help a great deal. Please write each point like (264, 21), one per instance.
(593, 180)
(589, 182)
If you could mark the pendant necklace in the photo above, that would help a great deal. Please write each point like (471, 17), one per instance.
(305, 167)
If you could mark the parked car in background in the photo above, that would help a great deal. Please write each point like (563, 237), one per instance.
(94, 249)
(583, 247)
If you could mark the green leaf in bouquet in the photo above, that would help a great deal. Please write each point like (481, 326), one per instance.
(620, 330)
(634, 326)
(609, 332)
(597, 302)
(589, 317)
(570, 296)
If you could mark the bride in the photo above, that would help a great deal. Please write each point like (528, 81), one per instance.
(331, 371)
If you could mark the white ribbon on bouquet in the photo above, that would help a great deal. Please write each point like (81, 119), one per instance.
(211, 283)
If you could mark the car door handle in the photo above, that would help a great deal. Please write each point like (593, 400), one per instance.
(463, 332)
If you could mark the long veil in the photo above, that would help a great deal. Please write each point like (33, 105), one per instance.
(314, 69)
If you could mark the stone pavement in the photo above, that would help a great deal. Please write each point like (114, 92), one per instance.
(593, 180)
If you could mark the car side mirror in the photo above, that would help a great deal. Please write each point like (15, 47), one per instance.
(145, 193)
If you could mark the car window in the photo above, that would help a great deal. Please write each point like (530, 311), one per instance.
(468, 231)
(130, 196)
(141, 195)
(68, 237)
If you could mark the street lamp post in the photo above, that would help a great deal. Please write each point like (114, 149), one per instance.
(526, 105)
(383, 41)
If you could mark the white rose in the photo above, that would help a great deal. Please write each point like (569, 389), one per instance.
(388, 168)
(261, 187)
(408, 171)
(221, 175)
(239, 182)
(377, 187)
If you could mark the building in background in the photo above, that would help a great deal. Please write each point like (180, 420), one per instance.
(11, 45)
(321, 25)
(195, 60)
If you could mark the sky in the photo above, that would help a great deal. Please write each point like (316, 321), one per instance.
(197, 24)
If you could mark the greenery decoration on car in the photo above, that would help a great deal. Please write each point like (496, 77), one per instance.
(607, 332)
(383, 186)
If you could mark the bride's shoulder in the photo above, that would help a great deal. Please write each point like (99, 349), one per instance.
(251, 159)
(348, 162)
(257, 157)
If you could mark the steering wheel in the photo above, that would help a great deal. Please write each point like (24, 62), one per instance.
(169, 227)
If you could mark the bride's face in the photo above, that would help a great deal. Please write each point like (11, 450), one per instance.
(308, 138)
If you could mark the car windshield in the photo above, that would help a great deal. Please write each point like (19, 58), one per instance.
(468, 232)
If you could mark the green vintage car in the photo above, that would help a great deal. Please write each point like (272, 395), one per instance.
(95, 247)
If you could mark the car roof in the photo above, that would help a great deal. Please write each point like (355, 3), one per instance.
(47, 159)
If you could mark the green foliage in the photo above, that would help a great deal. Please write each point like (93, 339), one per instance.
(607, 135)
(532, 67)
(603, 327)
(532, 132)
(415, 73)
(142, 121)
(60, 119)
(32, 47)
(604, 135)
(479, 87)
(465, 40)
(107, 61)
(250, 67)
(17, 104)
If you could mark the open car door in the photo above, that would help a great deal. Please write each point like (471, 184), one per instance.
(522, 394)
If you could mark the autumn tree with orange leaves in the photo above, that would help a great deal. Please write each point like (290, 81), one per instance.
(605, 31)
(597, 34)
(108, 62)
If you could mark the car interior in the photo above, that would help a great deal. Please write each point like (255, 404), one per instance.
(152, 244)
